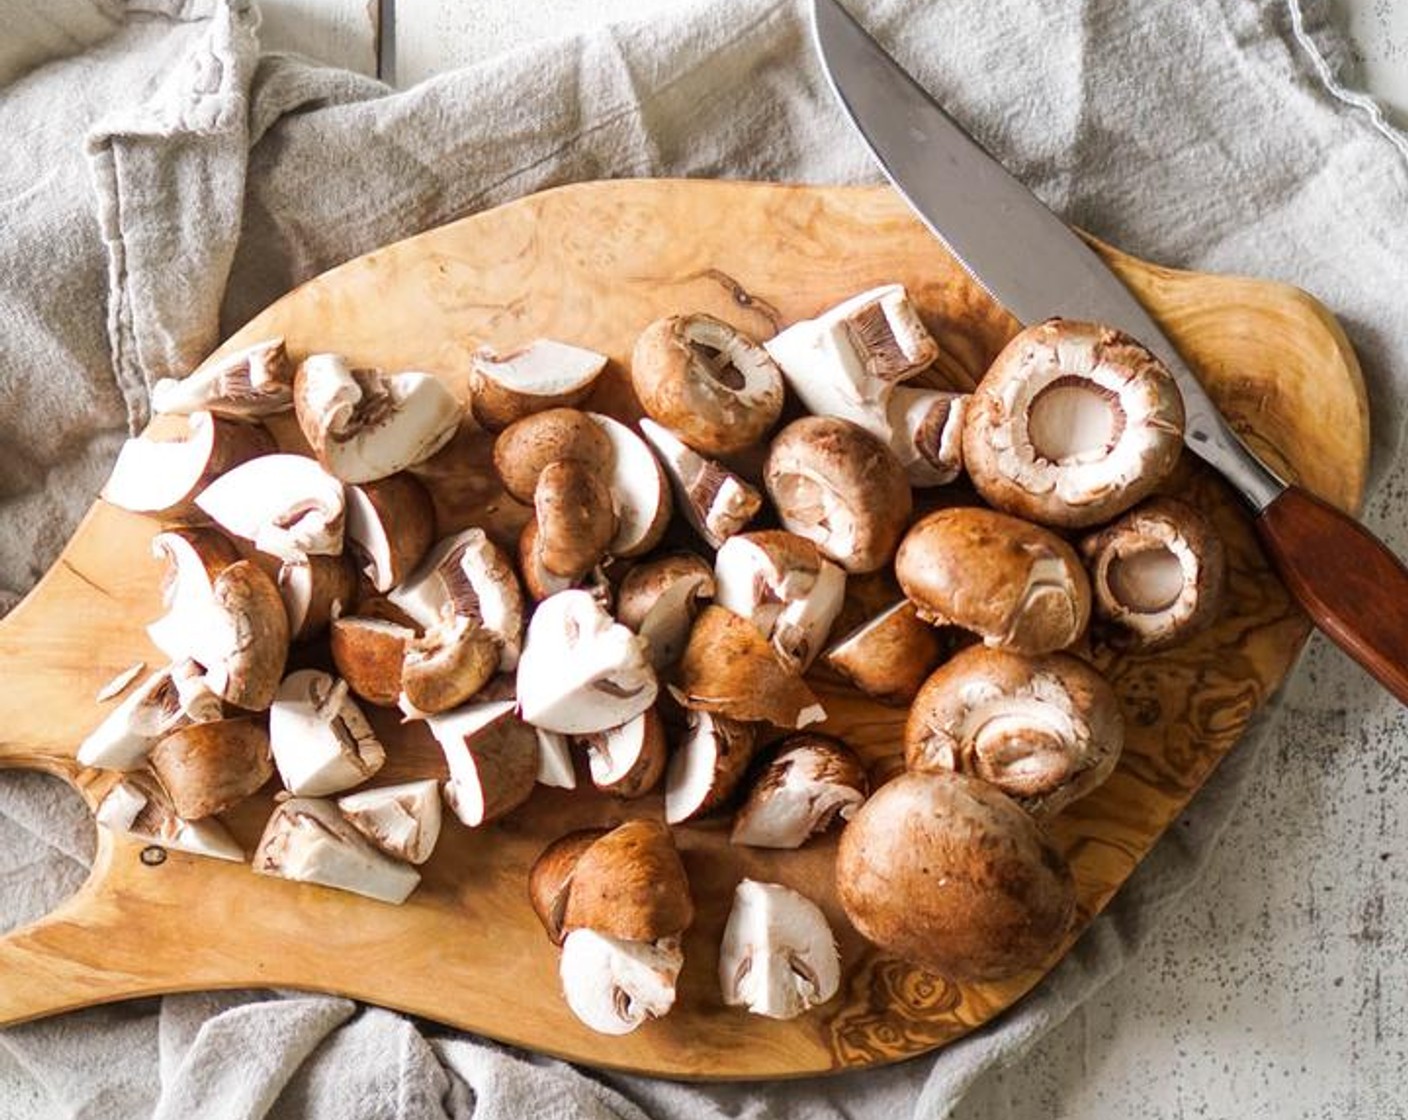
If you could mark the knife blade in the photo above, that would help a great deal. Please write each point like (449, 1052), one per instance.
(1033, 264)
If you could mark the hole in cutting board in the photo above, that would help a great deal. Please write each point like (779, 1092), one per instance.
(47, 840)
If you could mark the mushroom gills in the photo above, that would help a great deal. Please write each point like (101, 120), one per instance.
(1075, 420)
(779, 956)
(308, 840)
(614, 985)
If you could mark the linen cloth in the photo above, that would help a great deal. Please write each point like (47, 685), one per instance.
(165, 182)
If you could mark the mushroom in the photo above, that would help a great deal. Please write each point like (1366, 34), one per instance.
(730, 669)
(926, 433)
(627, 882)
(640, 491)
(1157, 573)
(287, 505)
(783, 585)
(574, 518)
(309, 841)
(315, 591)
(888, 657)
(628, 760)
(951, 874)
(207, 768)
(446, 666)
(525, 447)
(253, 382)
(191, 559)
(493, 760)
(537, 580)
(137, 806)
(550, 878)
(659, 600)
(555, 760)
(1072, 424)
(364, 425)
(369, 654)
(390, 527)
(1016, 585)
(322, 742)
(708, 765)
(716, 502)
(544, 374)
(613, 985)
(580, 671)
(1045, 730)
(840, 487)
(707, 382)
(779, 956)
(402, 820)
(812, 782)
(170, 698)
(165, 468)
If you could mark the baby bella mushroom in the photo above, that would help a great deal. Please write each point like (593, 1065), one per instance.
(207, 768)
(708, 765)
(778, 957)
(287, 505)
(402, 820)
(659, 599)
(315, 591)
(138, 806)
(640, 491)
(170, 464)
(253, 382)
(628, 760)
(168, 699)
(492, 756)
(813, 781)
(309, 841)
(716, 502)
(542, 375)
(322, 742)
(926, 433)
(390, 527)
(890, 656)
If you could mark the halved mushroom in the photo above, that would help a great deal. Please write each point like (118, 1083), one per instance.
(286, 504)
(402, 820)
(525, 447)
(1044, 730)
(659, 600)
(1157, 573)
(890, 656)
(708, 765)
(580, 671)
(707, 382)
(783, 585)
(315, 591)
(309, 841)
(1016, 585)
(166, 700)
(364, 425)
(322, 742)
(628, 760)
(446, 666)
(137, 806)
(207, 768)
(950, 873)
(628, 882)
(640, 492)
(493, 760)
(614, 985)
(1072, 424)
(542, 375)
(813, 781)
(369, 654)
(256, 381)
(840, 487)
(779, 956)
(926, 432)
(390, 526)
(177, 457)
(716, 502)
(574, 517)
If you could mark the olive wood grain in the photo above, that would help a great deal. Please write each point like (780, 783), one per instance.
(592, 264)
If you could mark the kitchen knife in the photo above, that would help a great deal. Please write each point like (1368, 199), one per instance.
(1033, 264)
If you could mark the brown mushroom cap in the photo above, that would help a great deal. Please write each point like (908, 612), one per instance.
(390, 527)
(526, 446)
(659, 599)
(1072, 424)
(631, 884)
(888, 657)
(315, 591)
(369, 654)
(729, 668)
(1045, 730)
(551, 877)
(572, 509)
(950, 873)
(207, 768)
(256, 645)
(1015, 584)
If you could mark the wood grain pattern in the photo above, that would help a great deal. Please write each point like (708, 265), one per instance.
(592, 264)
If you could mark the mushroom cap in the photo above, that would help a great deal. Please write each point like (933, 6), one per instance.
(369, 654)
(613, 985)
(950, 873)
(287, 505)
(708, 765)
(322, 742)
(778, 957)
(659, 599)
(888, 657)
(128, 733)
(534, 378)
(245, 637)
(390, 527)
(402, 820)
(630, 883)
(813, 781)
(1045, 730)
(550, 878)
(207, 768)
(537, 580)
(573, 512)
(1157, 573)
(492, 756)
(170, 464)
(315, 591)
(840, 487)
(192, 560)
(629, 760)
(253, 382)
(1072, 424)
(1017, 585)
(446, 666)
(526, 446)
(716, 502)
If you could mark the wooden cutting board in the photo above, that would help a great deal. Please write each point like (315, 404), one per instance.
(592, 264)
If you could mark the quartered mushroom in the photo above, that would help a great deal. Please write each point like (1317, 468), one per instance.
(926, 433)
(316, 590)
(172, 697)
(165, 468)
(542, 375)
(708, 765)
(716, 502)
(253, 382)
(1014, 584)
(1072, 424)
(1044, 730)
(369, 654)
(137, 806)
(813, 781)
(627, 761)
(614, 985)
(363, 424)
(550, 878)
(659, 599)
(889, 656)
(322, 742)
(402, 820)
(447, 665)
(287, 505)
(309, 841)
(1157, 573)
(707, 382)
(537, 580)
(640, 491)
(191, 559)
(207, 768)
(778, 957)
(390, 527)
(492, 756)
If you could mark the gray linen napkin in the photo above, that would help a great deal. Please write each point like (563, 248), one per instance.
(186, 182)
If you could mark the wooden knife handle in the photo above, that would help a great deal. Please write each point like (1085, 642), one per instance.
(1350, 584)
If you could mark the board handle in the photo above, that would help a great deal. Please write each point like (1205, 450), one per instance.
(1350, 584)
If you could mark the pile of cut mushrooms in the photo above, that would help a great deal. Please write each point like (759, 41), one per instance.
(617, 644)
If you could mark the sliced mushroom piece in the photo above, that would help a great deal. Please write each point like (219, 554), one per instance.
(390, 527)
(309, 841)
(1157, 573)
(708, 765)
(840, 487)
(659, 600)
(550, 878)
(555, 760)
(446, 666)
(706, 381)
(1044, 730)
(629, 883)
(580, 671)
(525, 447)
(575, 520)
(716, 502)
(493, 760)
(153, 709)
(207, 768)
(315, 591)
(640, 490)
(889, 657)
(613, 985)
(287, 505)
(813, 781)
(253, 382)
(1016, 585)
(926, 433)
(779, 956)
(1072, 424)
(192, 559)
(542, 375)
(322, 742)
(369, 654)
(364, 425)
(627, 761)
(165, 468)
(137, 806)
(537, 580)
(402, 820)
(782, 584)
(730, 669)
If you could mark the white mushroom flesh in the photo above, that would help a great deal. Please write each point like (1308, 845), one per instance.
(791, 604)
(287, 505)
(256, 381)
(155, 474)
(543, 368)
(165, 701)
(555, 760)
(716, 502)
(706, 766)
(800, 793)
(492, 757)
(322, 742)
(139, 811)
(613, 985)
(779, 956)
(640, 493)
(402, 820)
(309, 841)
